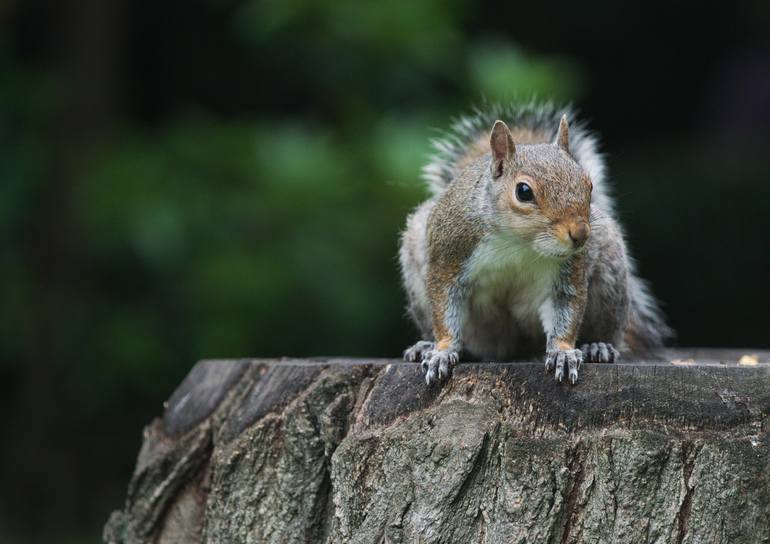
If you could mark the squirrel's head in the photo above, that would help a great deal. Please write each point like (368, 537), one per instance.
(542, 193)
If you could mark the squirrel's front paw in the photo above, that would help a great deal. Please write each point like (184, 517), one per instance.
(559, 359)
(417, 352)
(437, 364)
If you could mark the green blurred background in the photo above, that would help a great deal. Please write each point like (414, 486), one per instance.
(221, 178)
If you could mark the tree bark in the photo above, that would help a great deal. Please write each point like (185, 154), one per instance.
(362, 451)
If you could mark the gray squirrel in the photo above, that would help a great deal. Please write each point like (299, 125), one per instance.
(519, 248)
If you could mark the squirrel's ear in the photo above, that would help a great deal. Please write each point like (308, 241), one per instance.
(562, 137)
(501, 143)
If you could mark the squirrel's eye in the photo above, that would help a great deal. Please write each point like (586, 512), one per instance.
(524, 193)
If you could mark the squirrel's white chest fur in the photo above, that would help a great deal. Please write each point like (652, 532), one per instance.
(509, 287)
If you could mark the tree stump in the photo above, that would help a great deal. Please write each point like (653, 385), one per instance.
(362, 451)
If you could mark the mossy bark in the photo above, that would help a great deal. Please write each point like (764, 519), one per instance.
(361, 451)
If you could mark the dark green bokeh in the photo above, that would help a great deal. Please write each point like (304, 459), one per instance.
(228, 179)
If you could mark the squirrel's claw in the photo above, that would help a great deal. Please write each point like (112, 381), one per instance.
(437, 364)
(444, 368)
(549, 363)
(560, 360)
(424, 366)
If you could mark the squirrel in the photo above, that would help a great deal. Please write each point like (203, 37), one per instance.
(519, 247)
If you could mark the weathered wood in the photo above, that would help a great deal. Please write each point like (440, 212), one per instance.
(361, 451)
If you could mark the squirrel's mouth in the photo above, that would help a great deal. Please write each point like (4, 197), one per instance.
(553, 246)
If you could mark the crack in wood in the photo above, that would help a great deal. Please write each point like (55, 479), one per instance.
(689, 454)
(477, 464)
(577, 470)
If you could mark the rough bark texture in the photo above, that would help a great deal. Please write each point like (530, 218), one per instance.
(361, 451)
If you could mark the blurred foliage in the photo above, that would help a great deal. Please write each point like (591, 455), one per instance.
(225, 178)
(214, 236)
(265, 232)
(250, 238)
(498, 69)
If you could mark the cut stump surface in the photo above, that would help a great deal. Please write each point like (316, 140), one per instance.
(362, 451)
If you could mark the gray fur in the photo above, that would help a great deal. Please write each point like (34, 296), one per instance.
(645, 316)
(507, 302)
(413, 258)
(564, 291)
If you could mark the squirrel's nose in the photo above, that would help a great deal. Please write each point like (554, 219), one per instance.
(578, 232)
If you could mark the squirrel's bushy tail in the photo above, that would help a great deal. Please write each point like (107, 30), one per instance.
(647, 330)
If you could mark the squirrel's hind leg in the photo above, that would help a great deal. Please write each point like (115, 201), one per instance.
(417, 352)
(599, 352)
(607, 308)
